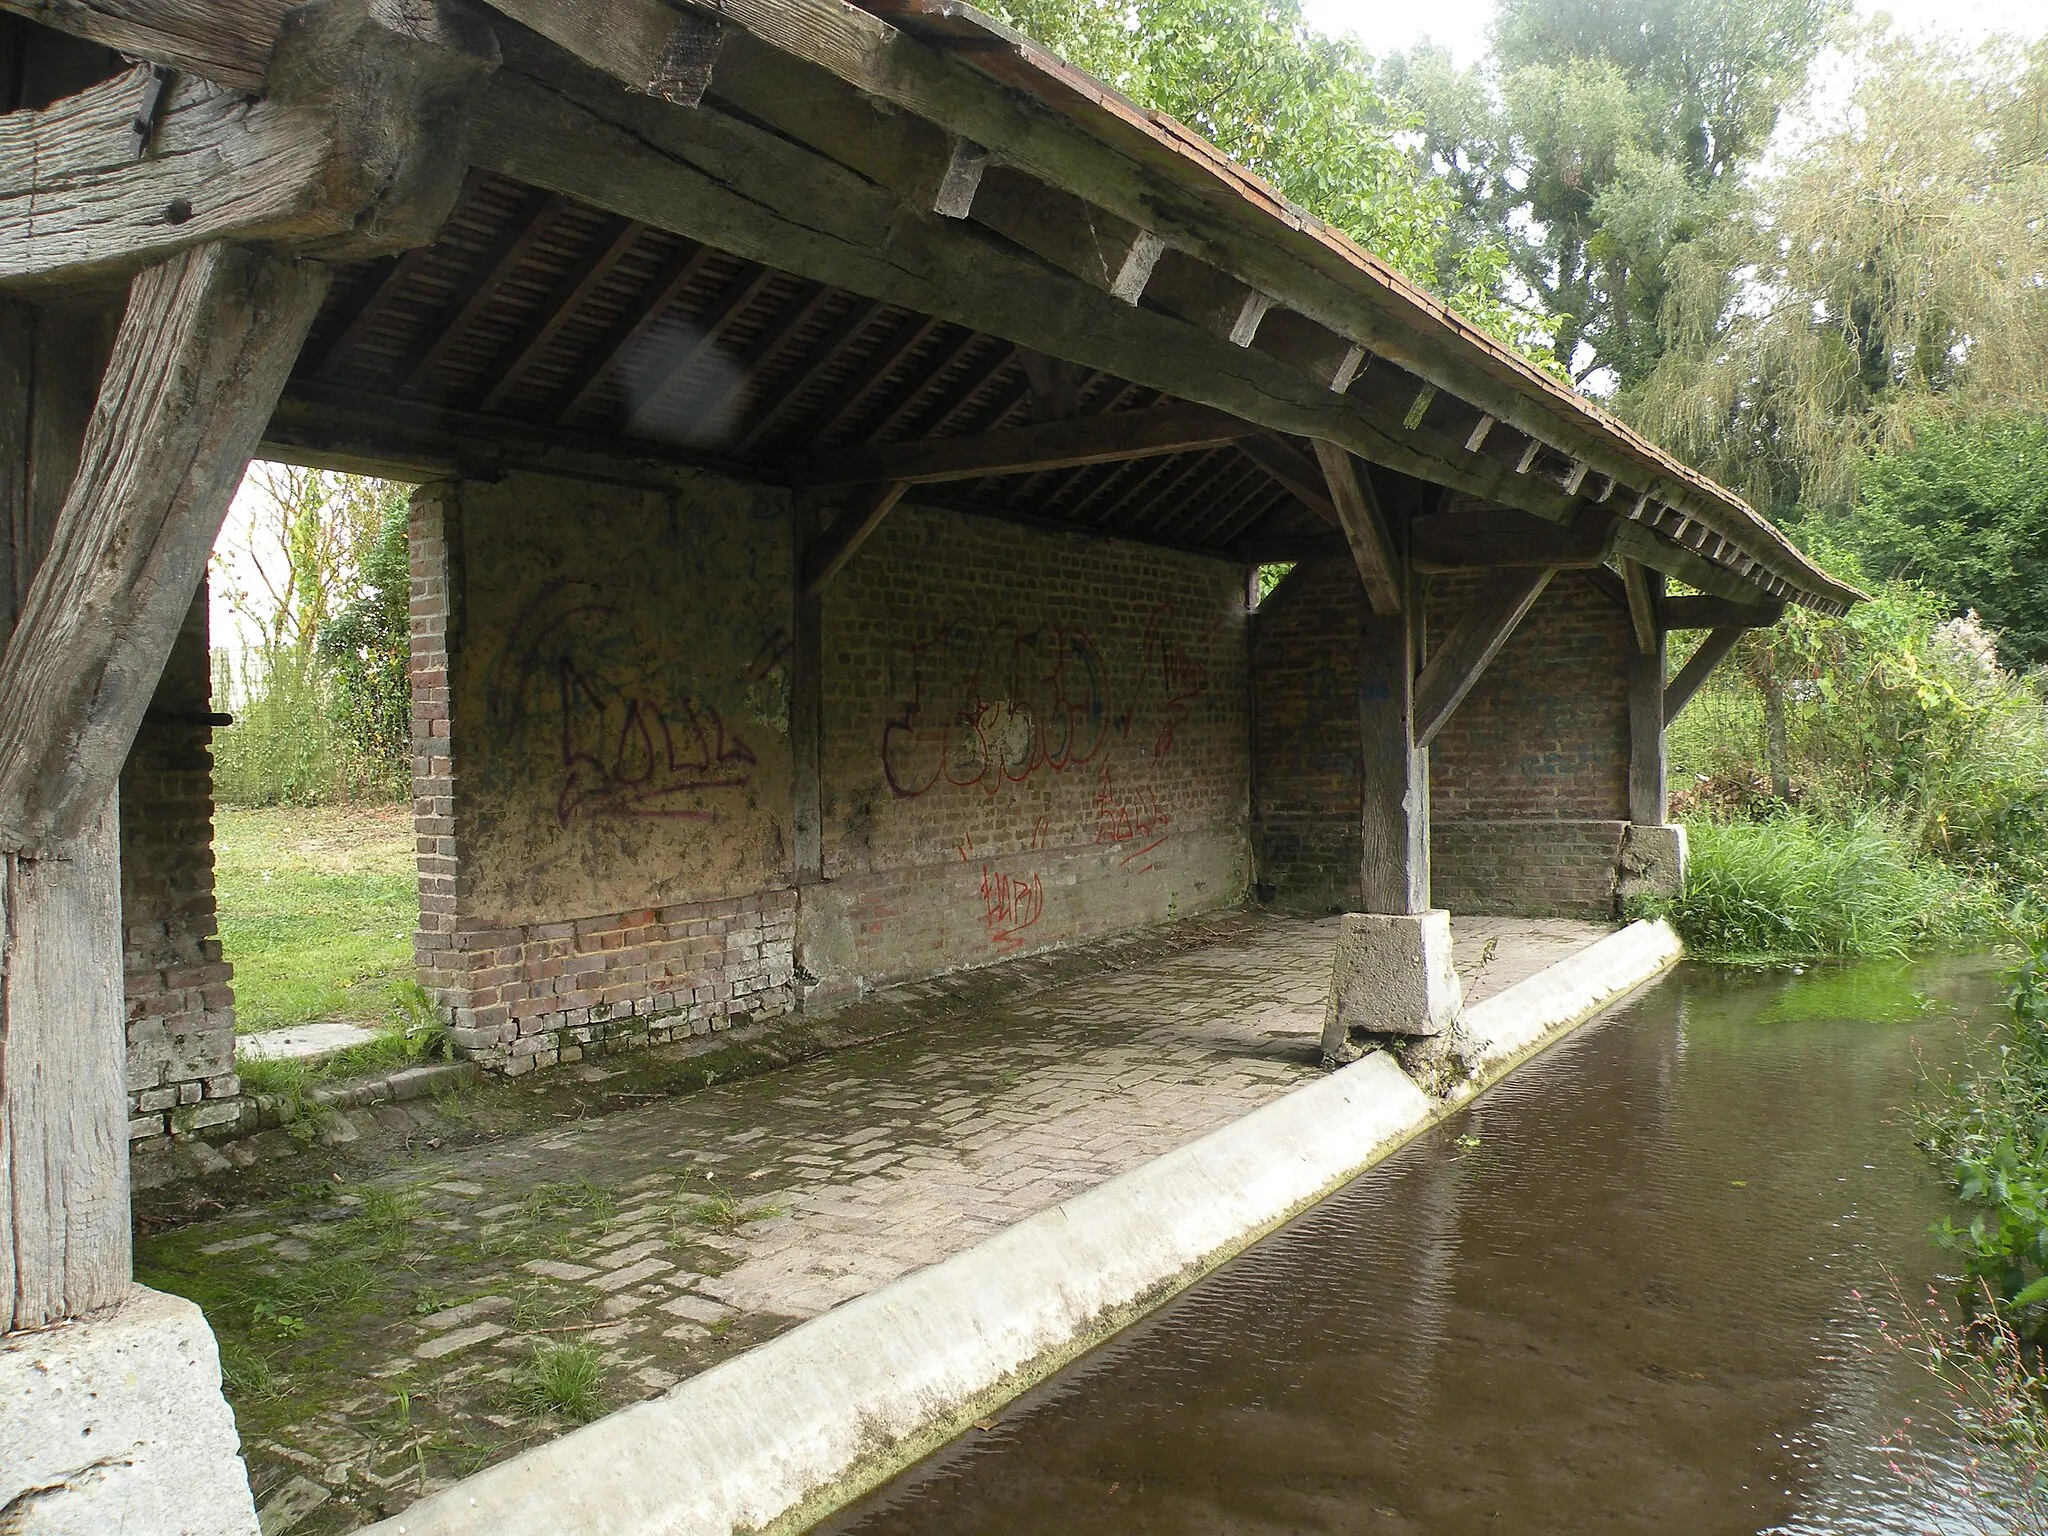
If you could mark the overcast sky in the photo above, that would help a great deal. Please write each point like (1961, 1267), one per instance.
(1385, 26)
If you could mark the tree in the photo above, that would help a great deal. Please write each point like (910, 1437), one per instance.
(1963, 511)
(1300, 109)
(367, 647)
(1893, 273)
(1605, 136)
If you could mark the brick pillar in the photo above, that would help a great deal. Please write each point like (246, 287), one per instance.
(180, 1004)
(434, 538)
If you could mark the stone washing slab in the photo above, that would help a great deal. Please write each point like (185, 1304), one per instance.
(774, 1439)
(302, 1042)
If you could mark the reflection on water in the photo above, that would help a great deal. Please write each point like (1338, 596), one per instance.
(1616, 1294)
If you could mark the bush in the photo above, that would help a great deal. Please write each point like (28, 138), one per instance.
(288, 746)
(1801, 887)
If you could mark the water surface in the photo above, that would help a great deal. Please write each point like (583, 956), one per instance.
(1617, 1294)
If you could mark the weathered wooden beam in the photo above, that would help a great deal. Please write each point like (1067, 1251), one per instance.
(225, 41)
(1294, 472)
(657, 49)
(1642, 606)
(842, 541)
(1717, 613)
(1393, 767)
(1635, 542)
(1495, 539)
(64, 1223)
(1364, 525)
(811, 217)
(345, 156)
(1698, 667)
(1097, 439)
(961, 179)
(1456, 666)
(198, 365)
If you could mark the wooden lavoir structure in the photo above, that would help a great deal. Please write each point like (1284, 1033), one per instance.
(845, 436)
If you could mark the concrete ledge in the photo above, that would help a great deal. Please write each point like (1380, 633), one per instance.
(1516, 1020)
(116, 1424)
(774, 1439)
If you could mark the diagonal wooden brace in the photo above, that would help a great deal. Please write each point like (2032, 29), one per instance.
(201, 357)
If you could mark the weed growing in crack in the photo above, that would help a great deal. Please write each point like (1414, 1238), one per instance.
(561, 1379)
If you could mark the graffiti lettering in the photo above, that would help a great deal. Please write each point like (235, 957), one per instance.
(627, 746)
(1134, 821)
(623, 756)
(1009, 905)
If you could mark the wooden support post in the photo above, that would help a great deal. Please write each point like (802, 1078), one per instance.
(198, 363)
(1712, 652)
(1365, 527)
(1644, 590)
(1649, 803)
(1394, 770)
(1457, 665)
(64, 1244)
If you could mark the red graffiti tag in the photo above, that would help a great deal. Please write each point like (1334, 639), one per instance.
(1009, 905)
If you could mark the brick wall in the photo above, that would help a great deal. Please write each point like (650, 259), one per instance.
(601, 762)
(181, 1019)
(1528, 780)
(1029, 737)
(1305, 681)
(1544, 732)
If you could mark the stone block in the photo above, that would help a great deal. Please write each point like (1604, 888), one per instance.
(1653, 862)
(1391, 975)
(117, 1423)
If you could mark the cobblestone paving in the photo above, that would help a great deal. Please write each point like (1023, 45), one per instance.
(384, 1339)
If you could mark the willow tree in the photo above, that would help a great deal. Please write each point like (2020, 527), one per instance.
(1891, 270)
(1603, 136)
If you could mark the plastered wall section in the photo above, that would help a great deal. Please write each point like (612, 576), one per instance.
(1029, 737)
(602, 761)
(1528, 780)
(180, 1002)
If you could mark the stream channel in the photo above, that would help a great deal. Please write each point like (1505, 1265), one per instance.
(1616, 1293)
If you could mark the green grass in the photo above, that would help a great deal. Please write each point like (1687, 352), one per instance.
(1798, 888)
(561, 1379)
(317, 911)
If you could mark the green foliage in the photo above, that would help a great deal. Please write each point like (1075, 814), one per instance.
(1605, 136)
(561, 1379)
(1993, 1131)
(320, 716)
(290, 744)
(1298, 108)
(366, 647)
(1798, 887)
(1894, 710)
(1893, 269)
(1963, 511)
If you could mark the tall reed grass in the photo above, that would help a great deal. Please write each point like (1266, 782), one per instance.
(1800, 887)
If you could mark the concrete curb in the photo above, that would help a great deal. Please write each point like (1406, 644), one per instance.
(776, 1438)
(1516, 1020)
